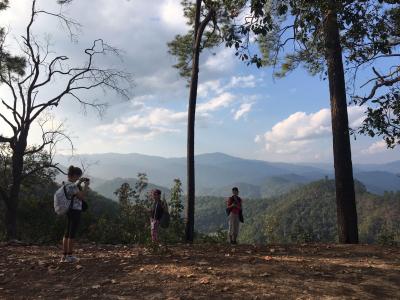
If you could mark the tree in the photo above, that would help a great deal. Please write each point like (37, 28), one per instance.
(124, 193)
(383, 89)
(26, 103)
(8, 62)
(204, 17)
(345, 194)
(133, 209)
(176, 209)
(383, 118)
(321, 33)
(199, 27)
(176, 206)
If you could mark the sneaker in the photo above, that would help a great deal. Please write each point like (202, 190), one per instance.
(71, 259)
(63, 259)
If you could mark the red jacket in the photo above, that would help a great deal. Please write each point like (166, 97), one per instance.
(235, 210)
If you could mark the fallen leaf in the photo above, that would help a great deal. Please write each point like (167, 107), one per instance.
(96, 286)
(204, 281)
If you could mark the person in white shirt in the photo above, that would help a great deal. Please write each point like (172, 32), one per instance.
(77, 195)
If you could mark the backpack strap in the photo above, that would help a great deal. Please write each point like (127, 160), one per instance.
(66, 196)
(155, 211)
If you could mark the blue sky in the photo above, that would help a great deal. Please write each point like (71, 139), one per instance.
(241, 110)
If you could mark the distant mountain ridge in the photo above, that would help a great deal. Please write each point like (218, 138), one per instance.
(217, 172)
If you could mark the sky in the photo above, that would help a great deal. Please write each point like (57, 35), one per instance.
(241, 110)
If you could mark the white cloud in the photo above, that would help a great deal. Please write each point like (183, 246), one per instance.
(171, 12)
(301, 131)
(243, 81)
(356, 116)
(145, 125)
(223, 61)
(223, 100)
(208, 87)
(243, 110)
(376, 147)
(148, 121)
(215, 86)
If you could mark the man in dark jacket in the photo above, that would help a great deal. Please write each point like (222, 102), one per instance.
(234, 207)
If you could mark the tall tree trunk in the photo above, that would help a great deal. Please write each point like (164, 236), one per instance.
(189, 226)
(11, 220)
(17, 168)
(345, 195)
(199, 28)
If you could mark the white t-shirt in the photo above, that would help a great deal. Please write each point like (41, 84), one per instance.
(71, 190)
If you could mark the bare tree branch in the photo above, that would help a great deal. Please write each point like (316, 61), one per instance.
(5, 139)
(380, 81)
(26, 107)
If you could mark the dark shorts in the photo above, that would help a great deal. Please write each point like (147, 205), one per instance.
(73, 220)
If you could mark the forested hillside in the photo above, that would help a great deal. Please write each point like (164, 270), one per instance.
(307, 214)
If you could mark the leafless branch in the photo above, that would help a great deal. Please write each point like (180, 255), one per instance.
(380, 81)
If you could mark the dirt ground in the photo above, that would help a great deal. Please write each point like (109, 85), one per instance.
(202, 272)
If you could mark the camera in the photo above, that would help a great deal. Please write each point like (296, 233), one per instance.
(84, 179)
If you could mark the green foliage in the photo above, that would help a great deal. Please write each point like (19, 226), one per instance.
(218, 237)
(388, 237)
(222, 13)
(291, 33)
(306, 214)
(39, 224)
(210, 214)
(8, 62)
(36, 171)
(175, 231)
(106, 221)
(134, 224)
(383, 119)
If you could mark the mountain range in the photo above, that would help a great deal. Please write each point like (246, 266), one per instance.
(216, 173)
